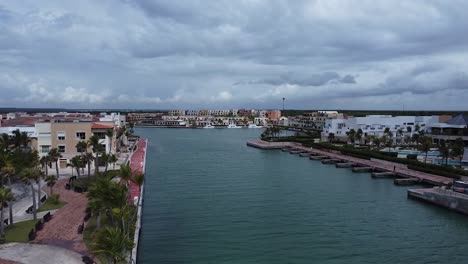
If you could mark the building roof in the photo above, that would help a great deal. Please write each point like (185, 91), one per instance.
(459, 120)
(101, 126)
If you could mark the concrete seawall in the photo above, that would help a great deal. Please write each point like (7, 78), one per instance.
(136, 238)
(454, 201)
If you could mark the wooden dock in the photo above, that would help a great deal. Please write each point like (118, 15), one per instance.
(344, 165)
(383, 175)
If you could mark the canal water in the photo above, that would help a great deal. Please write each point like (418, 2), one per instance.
(211, 199)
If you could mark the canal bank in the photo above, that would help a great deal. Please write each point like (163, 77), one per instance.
(138, 165)
(211, 199)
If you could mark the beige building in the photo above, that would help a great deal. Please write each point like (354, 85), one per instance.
(65, 135)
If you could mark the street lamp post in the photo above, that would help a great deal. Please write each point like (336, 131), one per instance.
(283, 105)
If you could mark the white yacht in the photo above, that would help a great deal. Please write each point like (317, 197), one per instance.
(254, 126)
(209, 126)
(233, 126)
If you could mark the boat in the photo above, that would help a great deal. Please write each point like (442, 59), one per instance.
(254, 126)
(233, 126)
(208, 126)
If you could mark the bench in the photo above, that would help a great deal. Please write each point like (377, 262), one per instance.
(39, 225)
(78, 189)
(87, 260)
(80, 228)
(5, 221)
(44, 198)
(87, 216)
(67, 186)
(29, 210)
(32, 235)
(47, 217)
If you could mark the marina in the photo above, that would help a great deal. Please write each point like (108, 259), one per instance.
(274, 207)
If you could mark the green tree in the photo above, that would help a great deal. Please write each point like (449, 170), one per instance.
(113, 159)
(5, 197)
(9, 171)
(425, 144)
(96, 146)
(458, 150)
(351, 135)
(29, 176)
(110, 135)
(331, 137)
(77, 163)
(444, 151)
(51, 180)
(87, 158)
(112, 243)
(55, 156)
(359, 134)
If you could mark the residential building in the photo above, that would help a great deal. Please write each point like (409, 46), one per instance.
(375, 125)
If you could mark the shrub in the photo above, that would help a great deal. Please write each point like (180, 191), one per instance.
(412, 156)
(390, 154)
(54, 198)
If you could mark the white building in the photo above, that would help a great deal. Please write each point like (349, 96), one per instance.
(375, 125)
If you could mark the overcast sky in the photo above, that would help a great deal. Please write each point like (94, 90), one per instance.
(326, 54)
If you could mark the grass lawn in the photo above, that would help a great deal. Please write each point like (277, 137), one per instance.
(19, 231)
(48, 205)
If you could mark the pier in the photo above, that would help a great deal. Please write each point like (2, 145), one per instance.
(382, 175)
(365, 165)
(449, 199)
(344, 165)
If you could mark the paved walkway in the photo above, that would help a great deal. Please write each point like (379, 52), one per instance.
(62, 229)
(137, 163)
(37, 254)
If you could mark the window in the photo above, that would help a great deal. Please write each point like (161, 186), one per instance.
(45, 148)
(61, 135)
(80, 135)
(61, 148)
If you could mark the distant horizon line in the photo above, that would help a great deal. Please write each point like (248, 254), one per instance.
(52, 109)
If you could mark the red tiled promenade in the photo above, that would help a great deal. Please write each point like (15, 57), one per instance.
(137, 163)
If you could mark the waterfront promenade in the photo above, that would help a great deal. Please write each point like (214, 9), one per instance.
(426, 177)
(137, 164)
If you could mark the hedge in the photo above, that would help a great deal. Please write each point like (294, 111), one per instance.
(412, 156)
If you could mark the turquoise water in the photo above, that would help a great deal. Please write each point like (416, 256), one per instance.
(211, 199)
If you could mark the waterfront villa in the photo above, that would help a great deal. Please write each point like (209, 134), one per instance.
(375, 125)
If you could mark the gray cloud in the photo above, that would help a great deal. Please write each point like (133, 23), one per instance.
(203, 54)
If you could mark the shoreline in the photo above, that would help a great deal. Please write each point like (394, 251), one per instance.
(139, 162)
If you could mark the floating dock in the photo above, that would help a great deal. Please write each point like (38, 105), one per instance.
(317, 157)
(344, 165)
(330, 161)
(363, 169)
(382, 175)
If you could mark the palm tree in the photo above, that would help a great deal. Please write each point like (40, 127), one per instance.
(81, 146)
(105, 158)
(5, 142)
(93, 142)
(9, 171)
(376, 142)
(5, 197)
(138, 179)
(29, 176)
(110, 135)
(87, 159)
(400, 134)
(359, 134)
(51, 180)
(444, 151)
(458, 150)
(331, 137)
(112, 243)
(425, 145)
(77, 163)
(351, 135)
(55, 155)
(40, 176)
(45, 160)
(113, 159)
